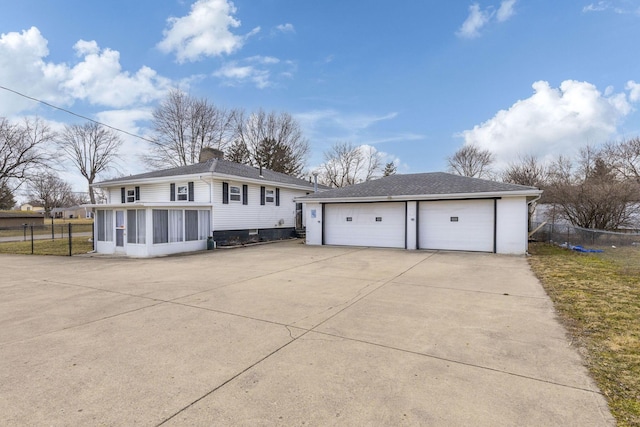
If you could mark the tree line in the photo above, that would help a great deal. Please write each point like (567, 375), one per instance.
(32, 154)
(599, 188)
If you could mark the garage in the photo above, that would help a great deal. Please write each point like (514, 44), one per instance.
(466, 225)
(365, 224)
(433, 211)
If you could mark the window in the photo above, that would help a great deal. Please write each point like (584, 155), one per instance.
(131, 196)
(269, 196)
(183, 192)
(177, 225)
(136, 226)
(104, 221)
(190, 225)
(160, 226)
(234, 194)
(204, 224)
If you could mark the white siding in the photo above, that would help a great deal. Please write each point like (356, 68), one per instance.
(412, 222)
(161, 192)
(512, 229)
(236, 216)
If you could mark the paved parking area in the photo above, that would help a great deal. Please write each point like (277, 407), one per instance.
(286, 334)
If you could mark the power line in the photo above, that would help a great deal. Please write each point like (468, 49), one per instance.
(76, 114)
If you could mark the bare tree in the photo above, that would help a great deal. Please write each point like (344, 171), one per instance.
(592, 195)
(272, 140)
(91, 148)
(527, 170)
(22, 148)
(49, 191)
(472, 161)
(625, 157)
(348, 164)
(183, 125)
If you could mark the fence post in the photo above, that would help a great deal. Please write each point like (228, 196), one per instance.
(24, 226)
(93, 234)
(70, 239)
(53, 236)
(31, 239)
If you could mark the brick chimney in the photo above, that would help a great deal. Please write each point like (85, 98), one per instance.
(208, 153)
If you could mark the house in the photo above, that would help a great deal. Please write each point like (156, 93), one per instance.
(178, 210)
(422, 211)
(72, 212)
(30, 208)
(13, 219)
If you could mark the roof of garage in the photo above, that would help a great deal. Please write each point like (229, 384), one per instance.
(421, 185)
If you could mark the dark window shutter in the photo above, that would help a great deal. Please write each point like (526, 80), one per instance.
(277, 197)
(245, 194)
(262, 191)
(137, 193)
(123, 195)
(172, 187)
(191, 195)
(225, 193)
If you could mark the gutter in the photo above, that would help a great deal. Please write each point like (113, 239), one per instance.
(407, 198)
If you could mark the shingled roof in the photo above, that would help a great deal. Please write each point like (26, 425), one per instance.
(215, 166)
(433, 183)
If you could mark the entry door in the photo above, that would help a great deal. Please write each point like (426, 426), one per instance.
(120, 227)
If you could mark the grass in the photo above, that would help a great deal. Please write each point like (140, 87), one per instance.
(60, 228)
(598, 298)
(79, 245)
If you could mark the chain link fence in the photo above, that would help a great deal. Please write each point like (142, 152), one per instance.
(47, 239)
(578, 236)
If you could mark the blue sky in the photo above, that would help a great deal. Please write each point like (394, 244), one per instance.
(415, 79)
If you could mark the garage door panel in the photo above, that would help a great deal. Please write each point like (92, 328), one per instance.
(365, 224)
(457, 225)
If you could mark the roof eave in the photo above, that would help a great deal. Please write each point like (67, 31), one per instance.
(419, 197)
(205, 175)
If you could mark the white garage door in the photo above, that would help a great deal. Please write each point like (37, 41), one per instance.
(365, 224)
(461, 225)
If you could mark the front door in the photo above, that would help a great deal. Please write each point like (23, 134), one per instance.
(120, 227)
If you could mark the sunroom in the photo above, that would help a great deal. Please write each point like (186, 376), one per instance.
(152, 229)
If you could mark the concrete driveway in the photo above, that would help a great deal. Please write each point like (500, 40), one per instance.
(286, 334)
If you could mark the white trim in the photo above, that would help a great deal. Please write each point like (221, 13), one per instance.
(406, 198)
(137, 205)
(202, 176)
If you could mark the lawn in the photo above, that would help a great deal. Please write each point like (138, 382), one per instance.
(597, 296)
(79, 245)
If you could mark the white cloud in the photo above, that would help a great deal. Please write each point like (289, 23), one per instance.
(552, 121)
(475, 21)
(505, 11)
(256, 70)
(479, 18)
(205, 31)
(620, 7)
(286, 28)
(596, 7)
(634, 90)
(100, 80)
(97, 77)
